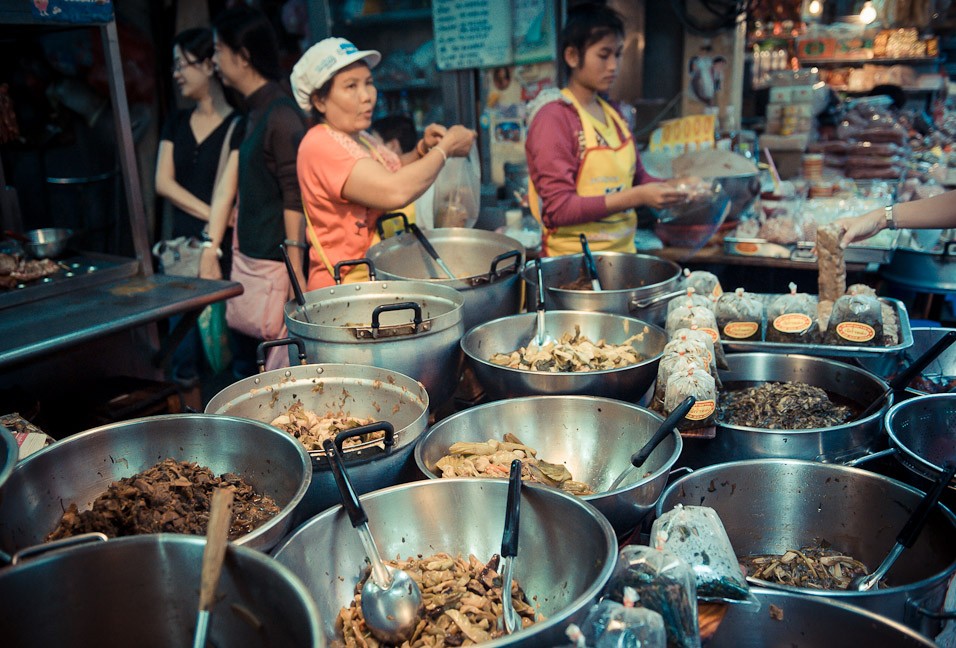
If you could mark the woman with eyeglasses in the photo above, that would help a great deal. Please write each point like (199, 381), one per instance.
(192, 146)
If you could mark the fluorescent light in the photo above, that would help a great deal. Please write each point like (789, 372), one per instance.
(867, 13)
(815, 8)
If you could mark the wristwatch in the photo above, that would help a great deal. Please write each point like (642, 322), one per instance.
(890, 222)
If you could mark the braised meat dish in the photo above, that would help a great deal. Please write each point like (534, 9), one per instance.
(781, 406)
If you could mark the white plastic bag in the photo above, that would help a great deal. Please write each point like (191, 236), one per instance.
(458, 192)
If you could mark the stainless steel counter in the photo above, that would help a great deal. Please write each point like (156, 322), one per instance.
(37, 328)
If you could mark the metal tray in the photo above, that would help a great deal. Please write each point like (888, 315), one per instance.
(803, 251)
(832, 350)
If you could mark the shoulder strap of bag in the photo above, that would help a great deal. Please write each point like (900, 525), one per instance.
(224, 153)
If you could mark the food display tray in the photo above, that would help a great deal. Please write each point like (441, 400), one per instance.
(803, 251)
(831, 350)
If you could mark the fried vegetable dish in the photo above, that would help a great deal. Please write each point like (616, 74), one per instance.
(572, 353)
(781, 406)
(311, 429)
(493, 459)
(462, 600)
(818, 567)
(169, 497)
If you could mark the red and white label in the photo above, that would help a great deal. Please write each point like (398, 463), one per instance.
(855, 331)
(741, 330)
(792, 323)
(701, 410)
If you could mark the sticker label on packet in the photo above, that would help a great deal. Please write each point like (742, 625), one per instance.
(713, 335)
(855, 331)
(792, 323)
(701, 410)
(741, 330)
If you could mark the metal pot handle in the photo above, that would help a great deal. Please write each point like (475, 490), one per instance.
(682, 469)
(381, 221)
(377, 426)
(930, 614)
(36, 550)
(268, 344)
(869, 457)
(495, 272)
(651, 301)
(337, 273)
(386, 308)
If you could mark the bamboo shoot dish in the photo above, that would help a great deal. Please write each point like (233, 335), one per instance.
(311, 429)
(573, 352)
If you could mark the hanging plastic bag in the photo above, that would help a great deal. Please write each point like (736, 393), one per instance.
(696, 534)
(458, 192)
(213, 332)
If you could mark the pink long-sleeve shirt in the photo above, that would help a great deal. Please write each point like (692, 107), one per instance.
(555, 149)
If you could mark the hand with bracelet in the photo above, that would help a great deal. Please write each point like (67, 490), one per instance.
(935, 212)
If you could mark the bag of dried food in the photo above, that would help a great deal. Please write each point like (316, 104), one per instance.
(696, 382)
(693, 343)
(739, 316)
(697, 319)
(891, 323)
(610, 624)
(705, 283)
(689, 299)
(698, 537)
(665, 584)
(678, 361)
(792, 317)
(855, 320)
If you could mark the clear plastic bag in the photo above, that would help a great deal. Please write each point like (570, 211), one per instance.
(612, 625)
(665, 584)
(739, 316)
(705, 283)
(690, 299)
(855, 320)
(700, 384)
(693, 342)
(458, 192)
(792, 317)
(676, 362)
(697, 319)
(698, 537)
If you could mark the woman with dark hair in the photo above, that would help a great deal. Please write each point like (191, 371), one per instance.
(263, 181)
(192, 145)
(348, 178)
(582, 160)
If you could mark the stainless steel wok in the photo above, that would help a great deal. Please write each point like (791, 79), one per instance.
(144, 591)
(838, 443)
(81, 467)
(630, 283)
(509, 333)
(566, 549)
(485, 265)
(411, 327)
(770, 506)
(593, 437)
(808, 622)
(922, 432)
(346, 390)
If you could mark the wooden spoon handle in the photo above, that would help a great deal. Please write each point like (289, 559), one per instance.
(217, 537)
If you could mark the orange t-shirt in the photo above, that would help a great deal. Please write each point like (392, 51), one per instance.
(344, 229)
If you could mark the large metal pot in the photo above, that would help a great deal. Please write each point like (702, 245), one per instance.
(509, 333)
(923, 262)
(485, 265)
(349, 390)
(566, 549)
(629, 283)
(411, 327)
(81, 467)
(144, 591)
(940, 370)
(923, 433)
(593, 437)
(770, 506)
(837, 443)
(808, 622)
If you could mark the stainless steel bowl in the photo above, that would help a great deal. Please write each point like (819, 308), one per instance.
(923, 432)
(144, 591)
(80, 468)
(769, 506)
(808, 621)
(566, 549)
(593, 437)
(837, 443)
(507, 334)
(47, 243)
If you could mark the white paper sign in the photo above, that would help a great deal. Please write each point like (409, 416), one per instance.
(472, 33)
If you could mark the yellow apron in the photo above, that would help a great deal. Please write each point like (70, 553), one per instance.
(604, 170)
(357, 274)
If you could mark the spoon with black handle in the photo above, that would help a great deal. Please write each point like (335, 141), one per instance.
(509, 547)
(589, 264)
(911, 530)
(296, 288)
(909, 373)
(432, 252)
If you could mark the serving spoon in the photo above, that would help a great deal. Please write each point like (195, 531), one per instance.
(639, 457)
(296, 288)
(541, 338)
(910, 532)
(432, 252)
(391, 600)
(217, 537)
(589, 264)
(509, 547)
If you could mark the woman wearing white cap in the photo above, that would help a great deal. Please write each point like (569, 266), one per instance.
(348, 178)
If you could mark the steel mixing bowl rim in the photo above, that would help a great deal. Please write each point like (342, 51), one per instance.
(902, 447)
(430, 473)
(679, 278)
(590, 314)
(839, 468)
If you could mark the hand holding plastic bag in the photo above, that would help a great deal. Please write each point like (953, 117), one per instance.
(458, 191)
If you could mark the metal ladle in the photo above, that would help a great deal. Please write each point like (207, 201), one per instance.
(217, 538)
(509, 547)
(639, 457)
(432, 252)
(391, 600)
(296, 288)
(589, 264)
(910, 532)
(541, 338)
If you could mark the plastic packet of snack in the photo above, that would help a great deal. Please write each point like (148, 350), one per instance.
(697, 319)
(739, 316)
(700, 384)
(610, 624)
(665, 584)
(792, 317)
(690, 299)
(705, 283)
(697, 535)
(675, 362)
(855, 320)
(695, 343)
